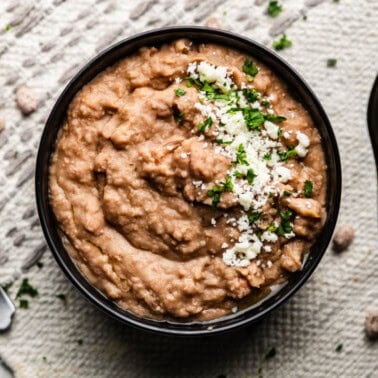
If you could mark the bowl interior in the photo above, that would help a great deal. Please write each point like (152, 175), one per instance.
(298, 89)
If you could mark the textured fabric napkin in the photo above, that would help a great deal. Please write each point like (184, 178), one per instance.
(43, 46)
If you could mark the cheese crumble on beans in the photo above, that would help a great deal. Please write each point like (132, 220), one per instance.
(244, 127)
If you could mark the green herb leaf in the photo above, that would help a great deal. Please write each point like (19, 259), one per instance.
(250, 68)
(285, 215)
(179, 92)
(221, 141)
(216, 190)
(282, 43)
(205, 125)
(24, 303)
(251, 95)
(285, 227)
(274, 8)
(80, 342)
(287, 193)
(254, 217)
(40, 264)
(275, 118)
(272, 228)
(8, 27)
(331, 62)
(267, 156)
(250, 176)
(339, 348)
(241, 155)
(308, 188)
(26, 289)
(190, 82)
(238, 174)
(285, 155)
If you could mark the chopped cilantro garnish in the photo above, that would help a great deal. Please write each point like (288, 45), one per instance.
(339, 348)
(24, 303)
(8, 27)
(228, 186)
(250, 176)
(221, 141)
(287, 193)
(331, 62)
(238, 174)
(308, 188)
(205, 125)
(26, 289)
(285, 155)
(40, 264)
(272, 228)
(274, 8)
(285, 215)
(241, 155)
(179, 92)
(190, 82)
(80, 342)
(250, 68)
(272, 352)
(285, 226)
(251, 95)
(211, 92)
(254, 118)
(267, 156)
(265, 103)
(216, 190)
(282, 43)
(275, 118)
(254, 217)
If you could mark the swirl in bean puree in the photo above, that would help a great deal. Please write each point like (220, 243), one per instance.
(187, 181)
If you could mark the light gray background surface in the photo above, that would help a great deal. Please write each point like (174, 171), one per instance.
(48, 41)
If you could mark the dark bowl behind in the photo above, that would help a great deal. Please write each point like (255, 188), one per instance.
(298, 88)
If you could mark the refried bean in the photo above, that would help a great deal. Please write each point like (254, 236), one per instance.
(187, 180)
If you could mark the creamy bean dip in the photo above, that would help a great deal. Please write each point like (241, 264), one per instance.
(187, 180)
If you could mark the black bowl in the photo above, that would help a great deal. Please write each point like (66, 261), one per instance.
(298, 88)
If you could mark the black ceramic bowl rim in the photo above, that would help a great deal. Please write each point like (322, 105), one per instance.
(298, 88)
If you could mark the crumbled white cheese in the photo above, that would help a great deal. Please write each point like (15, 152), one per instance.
(260, 163)
(269, 264)
(213, 221)
(272, 129)
(215, 75)
(303, 144)
(281, 174)
(269, 237)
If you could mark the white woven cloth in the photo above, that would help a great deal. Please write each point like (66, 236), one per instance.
(47, 42)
